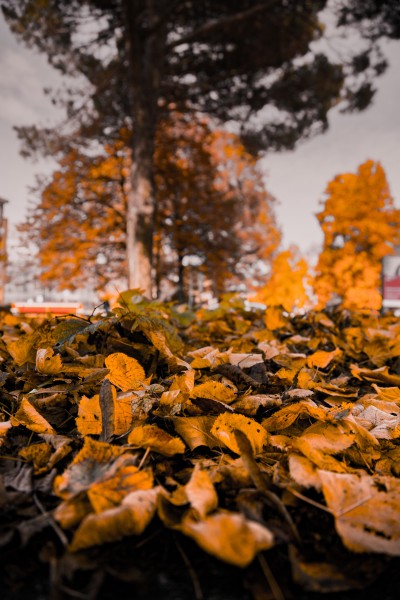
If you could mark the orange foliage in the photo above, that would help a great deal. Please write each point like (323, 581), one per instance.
(211, 205)
(286, 284)
(360, 226)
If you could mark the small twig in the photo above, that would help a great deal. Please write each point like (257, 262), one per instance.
(270, 577)
(198, 592)
(309, 500)
(143, 459)
(59, 532)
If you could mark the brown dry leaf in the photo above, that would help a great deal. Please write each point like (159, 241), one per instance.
(285, 417)
(71, 512)
(88, 421)
(38, 454)
(125, 372)
(249, 405)
(196, 431)
(91, 464)
(389, 394)
(205, 358)
(303, 471)
(47, 363)
(379, 423)
(109, 492)
(225, 425)
(366, 509)
(184, 383)
(28, 416)
(213, 390)
(130, 518)
(201, 493)
(159, 341)
(21, 349)
(158, 440)
(322, 359)
(244, 361)
(320, 441)
(229, 536)
(381, 375)
(334, 390)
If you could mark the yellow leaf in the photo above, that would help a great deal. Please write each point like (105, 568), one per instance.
(184, 382)
(214, 390)
(22, 349)
(158, 440)
(38, 454)
(71, 512)
(303, 472)
(201, 493)
(381, 375)
(366, 509)
(28, 416)
(390, 394)
(109, 492)
(229, 536)
(47, 363)
(196, 431)
(125, 372)
(225, 425)
(130, 518)
(322, 359)
(204, 358)
(91, 464)
(285, 417)
(88, 420)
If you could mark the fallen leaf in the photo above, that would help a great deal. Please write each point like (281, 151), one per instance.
(28, 416)
(158, 440)
(47, 363)
(130, 518)
(366, 509)
(225, 425)
(213, 390)
(125, 372)
(229, 536)
(196, 431)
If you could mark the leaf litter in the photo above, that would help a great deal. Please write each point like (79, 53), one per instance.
(253, 437)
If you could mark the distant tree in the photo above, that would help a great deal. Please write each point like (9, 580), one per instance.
(287, 282)
(212, 205)
(251, 61)
(360, 227)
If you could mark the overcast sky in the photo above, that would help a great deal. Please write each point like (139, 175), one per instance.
(297, 178)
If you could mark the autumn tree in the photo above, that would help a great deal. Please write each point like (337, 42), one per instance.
(287, 282)
(360, 227)
(251, 61)
(212, 205)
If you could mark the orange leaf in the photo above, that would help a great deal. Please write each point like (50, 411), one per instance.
(158, 440)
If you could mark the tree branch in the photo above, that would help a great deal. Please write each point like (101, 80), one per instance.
(215, 24)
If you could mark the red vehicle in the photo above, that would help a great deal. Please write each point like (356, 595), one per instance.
(47, 308)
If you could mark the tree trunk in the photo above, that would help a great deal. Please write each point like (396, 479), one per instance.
(146, 47)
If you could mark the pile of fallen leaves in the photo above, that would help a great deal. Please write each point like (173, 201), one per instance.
(131, 441)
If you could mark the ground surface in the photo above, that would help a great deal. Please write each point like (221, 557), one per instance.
(154, 453)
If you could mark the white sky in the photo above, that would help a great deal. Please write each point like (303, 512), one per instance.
(297, 179)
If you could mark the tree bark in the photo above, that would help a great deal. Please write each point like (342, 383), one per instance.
(146, 48)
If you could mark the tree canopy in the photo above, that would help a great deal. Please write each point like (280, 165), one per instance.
(254, 62)
(213, 208)
(360, 226)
